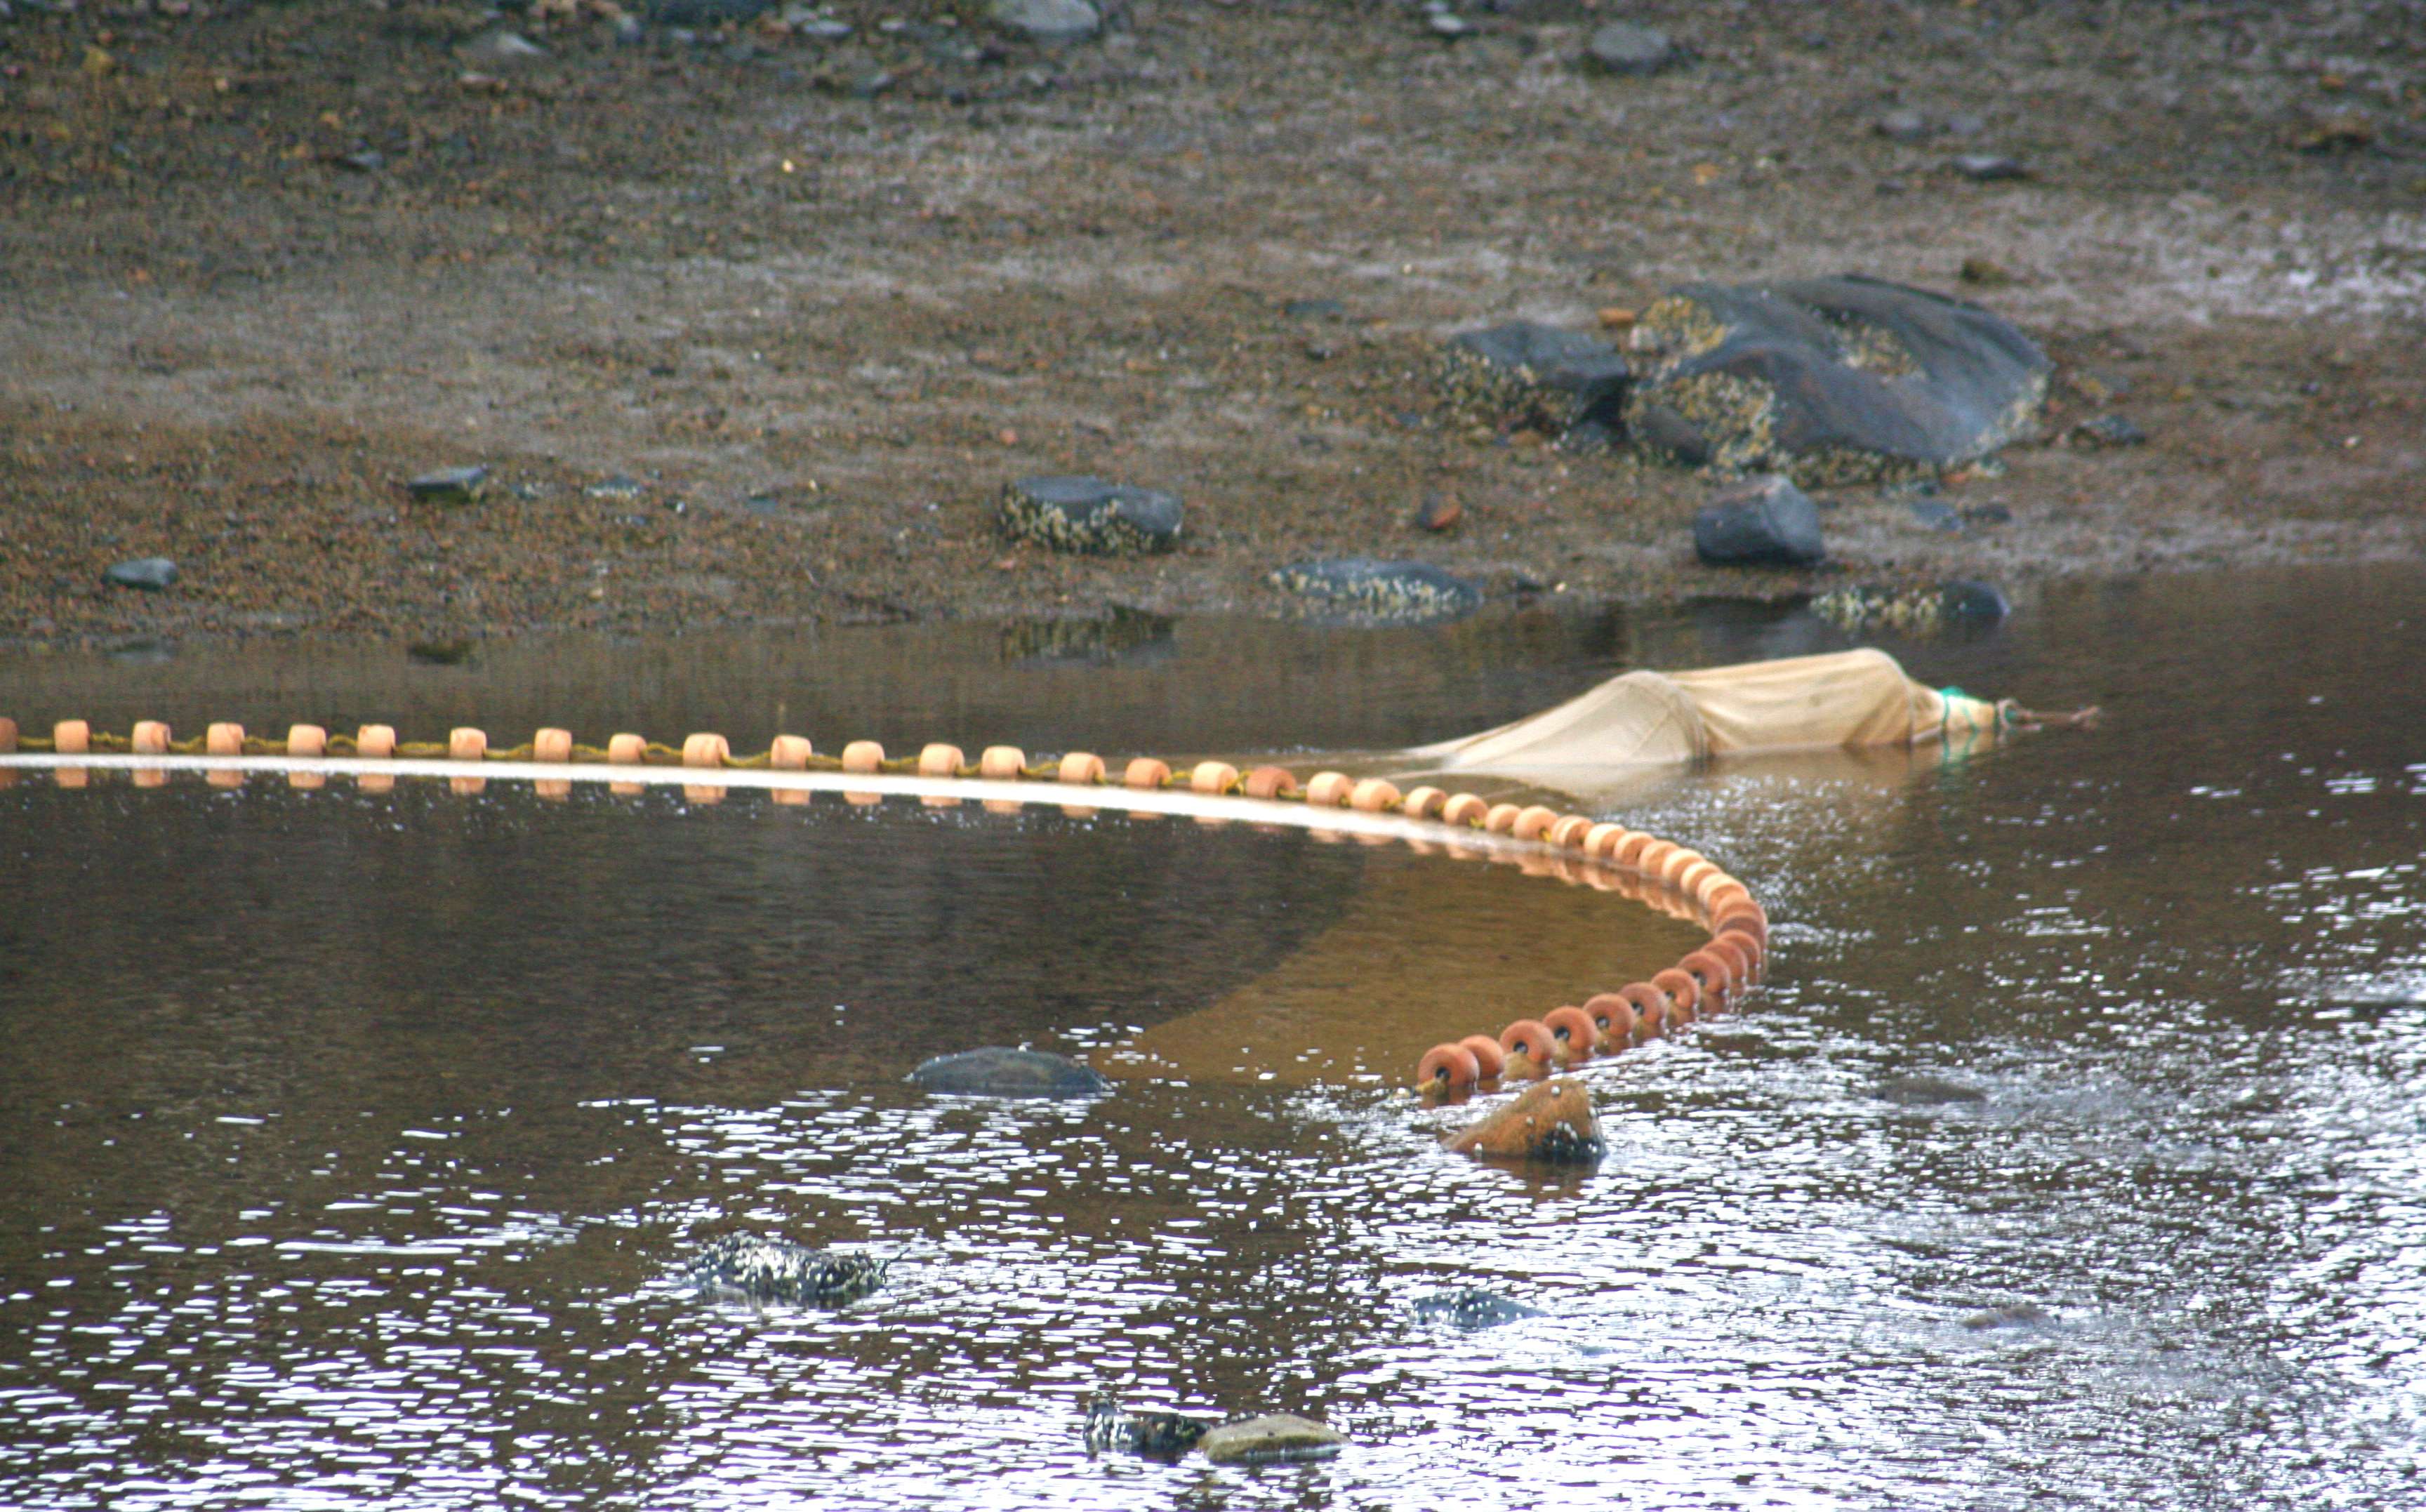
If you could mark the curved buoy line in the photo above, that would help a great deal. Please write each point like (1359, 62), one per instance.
(1574, 846)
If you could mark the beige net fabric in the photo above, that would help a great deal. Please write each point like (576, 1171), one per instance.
(1849, 700)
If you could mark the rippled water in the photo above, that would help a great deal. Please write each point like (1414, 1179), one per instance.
(352, 1142)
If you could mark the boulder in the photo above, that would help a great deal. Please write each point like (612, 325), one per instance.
(1763, 522)
(997, 1071)
(1551, 1122)
(150, 573)
(778, 1270)
(1624, 47)
(1830, 381)
(1265, 1440)
(1089, 516)
(1379, 590)
(1048, 21)
(1523, 374)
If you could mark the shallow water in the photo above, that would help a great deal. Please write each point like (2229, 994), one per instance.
(353, 1140)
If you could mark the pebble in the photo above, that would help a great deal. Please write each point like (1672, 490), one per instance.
(706, 13)
(1967, 597)
(1471, 1308)
(1448, 25)
(501, 49)
(2109, 431)
(996, 1070)
(614, 487)
(1268, 1440)
(449, 485)
(1315, 310)
(150, 573)
(366, 161)
(1903, 126)
(1989, 167)
(1383, 590)
(1985, 272)
(1048, 21)
(1089, 516)
(1932, 514)
(1763, 522)
(1438, 512)
(1623, 47)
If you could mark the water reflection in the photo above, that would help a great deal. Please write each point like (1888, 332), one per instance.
(352, 1139)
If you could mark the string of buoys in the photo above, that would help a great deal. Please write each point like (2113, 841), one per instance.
(1707, 980)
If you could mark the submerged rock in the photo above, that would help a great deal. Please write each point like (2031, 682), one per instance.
(778, 1270)
(1089, 516)
(2010, 1315)
(1764, 522)
(1831, 381)
(1109, 1428)
(997, 1071)
(1471, 1308)
(1528, 374)
(1551, 1122)
(1383, 590)
(1925, 1092)
(150, 573)
(1264, 1439)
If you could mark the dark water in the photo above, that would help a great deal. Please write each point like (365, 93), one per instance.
(350, 1141)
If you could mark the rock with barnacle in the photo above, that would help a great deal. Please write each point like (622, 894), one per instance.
(1107, 1428)
(1359, 587)
(1089, 516)
(778, 1270)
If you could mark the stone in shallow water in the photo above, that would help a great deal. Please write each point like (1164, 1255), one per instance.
(1831, 381)
(150, 573)
(1264, 1439)
(1524, 374)
(1381, 590)
(1926, 1092)
(1107, 1427)
(778, 1270)
(1551, 1122)
(1764, 522)
(999, 1071)
(1089, 516)
(1471, 1308)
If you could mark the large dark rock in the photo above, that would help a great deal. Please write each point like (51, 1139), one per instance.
(1831, 381)
(1089, 516)
(1109, 1427)
(1523, 374)
(778, 1270)
(1764, 522)
(996, 1072)
(1379, 590)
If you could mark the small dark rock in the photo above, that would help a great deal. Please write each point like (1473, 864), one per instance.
(706, 13)
(1048, 21)
(1471, 1308)
(1669, 436)
(1763, 522)
(1931, 514)
(1315, 310)
(1089, 516)
(822, 29)
(150, 573)
(1383, 590)
(1623, 47)
(778, 1270)
(1448, 25)
(869, 86)
(614, 487)
(1989, 167)
(1438, 512)
(439, 652)
(1987, 514)
(1965, 123)
(366, 161)
(1967, 597)
(1986, 272)
(1925, 1092)
(449, 485)
(1903, 126)
(999, 1071)
(1528, 374)
(1109, 1428)
(2109, 430)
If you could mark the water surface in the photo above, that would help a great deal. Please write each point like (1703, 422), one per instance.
(353, 1140)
